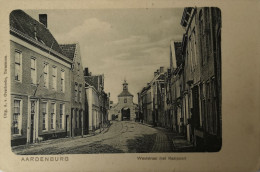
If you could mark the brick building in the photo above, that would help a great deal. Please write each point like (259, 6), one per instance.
(191, 91)
(40, 81)
(78, 116)
(176, 87)
(202, 71)
(145, 105)
(151, 100)
(97, 100)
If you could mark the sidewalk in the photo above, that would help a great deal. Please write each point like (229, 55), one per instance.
(179, 142)
(63, 139)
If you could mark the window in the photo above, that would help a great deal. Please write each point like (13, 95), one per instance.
(54, 77)
(194, 47)
(202, 35)
(44, 117)
(125, 100)
(61, 115)
(33, 70)
(191, 53)
(17, 127)
(53, 116)
(46, 75)
(18, 66)
(76, 92)
(80, 96)
(78, 68)
(62, 82)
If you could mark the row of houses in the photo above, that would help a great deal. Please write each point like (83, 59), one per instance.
(97, 100)
(186, 98)
(50, 94)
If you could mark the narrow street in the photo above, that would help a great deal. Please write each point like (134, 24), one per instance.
(120, 137)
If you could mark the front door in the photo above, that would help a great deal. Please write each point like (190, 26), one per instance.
(32, 121)
(67, 125)
(71, 123)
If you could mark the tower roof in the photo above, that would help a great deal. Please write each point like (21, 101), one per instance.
(125, 91)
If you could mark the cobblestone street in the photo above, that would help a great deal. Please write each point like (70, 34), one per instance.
(120, 137)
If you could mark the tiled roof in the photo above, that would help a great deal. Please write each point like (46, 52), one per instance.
(24, 23)
(178, 53)
(68, 50)
(125, 93)
(92, 80)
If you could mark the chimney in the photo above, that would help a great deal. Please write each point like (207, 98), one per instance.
(43, 19)
(86, 71)
(161, 69)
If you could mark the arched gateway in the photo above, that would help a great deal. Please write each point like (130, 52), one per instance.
(125, 112)
(125, 108)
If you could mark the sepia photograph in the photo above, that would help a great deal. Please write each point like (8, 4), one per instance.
(135, 85)
(115, 81)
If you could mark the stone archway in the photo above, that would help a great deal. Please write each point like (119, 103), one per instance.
(125, 114)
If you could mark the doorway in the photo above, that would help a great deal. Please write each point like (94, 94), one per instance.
(67, 125)
(71, 123)
(32, 126)
(125, 114)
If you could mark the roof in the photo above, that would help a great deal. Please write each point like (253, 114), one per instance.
(125, 93)
(22, 22)
(185, 16)
(68, 50)
(178, 53)
(93, 80)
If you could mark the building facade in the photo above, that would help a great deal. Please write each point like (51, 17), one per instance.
(97, 101)
(152, 100)
(202, 76)
(40, 82)
(78, 116)
(125, 109)
(175, 79)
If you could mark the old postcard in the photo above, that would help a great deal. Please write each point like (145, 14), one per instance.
(129, 86)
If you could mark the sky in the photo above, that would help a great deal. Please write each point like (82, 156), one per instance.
(120, 43)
